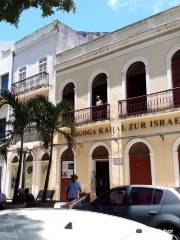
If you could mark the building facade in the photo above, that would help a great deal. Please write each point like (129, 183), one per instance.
(33, 74)
(125, 89)
(132, 135)
(6, 61)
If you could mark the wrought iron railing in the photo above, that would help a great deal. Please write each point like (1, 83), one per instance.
(34, 82)
(87, 115)
(150, 103)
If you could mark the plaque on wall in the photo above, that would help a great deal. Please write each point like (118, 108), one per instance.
(67, 169)
(118, 161)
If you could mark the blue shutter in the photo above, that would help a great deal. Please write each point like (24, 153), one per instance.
(5, 81)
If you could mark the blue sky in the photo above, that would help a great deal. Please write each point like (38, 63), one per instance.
(91, 15)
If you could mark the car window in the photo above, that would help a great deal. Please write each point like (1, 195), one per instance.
(112, 197)
(141, 196)
(157, 196)
(117, 196)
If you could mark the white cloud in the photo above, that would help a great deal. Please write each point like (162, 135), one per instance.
(154, 5)
(113, 4)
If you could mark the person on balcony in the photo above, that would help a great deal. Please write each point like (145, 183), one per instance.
(99, 108)
(98, 101)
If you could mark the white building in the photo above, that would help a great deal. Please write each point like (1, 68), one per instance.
(6, 60)
(33, 74)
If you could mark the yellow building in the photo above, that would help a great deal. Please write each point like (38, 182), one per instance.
(133, 134)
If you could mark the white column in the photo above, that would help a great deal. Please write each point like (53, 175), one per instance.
(176, 168)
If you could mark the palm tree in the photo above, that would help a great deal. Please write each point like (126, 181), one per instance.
(48, 118)
(19, 121)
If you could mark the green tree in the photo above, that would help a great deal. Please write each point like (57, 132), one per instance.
(10, 10)
(49, 122)
(20, 120)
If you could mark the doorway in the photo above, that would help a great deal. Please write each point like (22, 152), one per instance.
(102, 177)
(100, 158)
(139, 164)
(136, 88)
(67, 169)
(175, 63)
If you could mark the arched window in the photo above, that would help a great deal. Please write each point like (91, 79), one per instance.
(99, 88)
(15, 160)
(100, 152)
(69, 94)
(29, 158)
(45, 157)
(175, 65)
(100, 110)
(139, 148)
(136, 88)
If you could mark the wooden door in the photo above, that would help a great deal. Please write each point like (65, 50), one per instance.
(140, 169)
(67, 169)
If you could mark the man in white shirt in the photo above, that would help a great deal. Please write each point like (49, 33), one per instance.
(2, 197)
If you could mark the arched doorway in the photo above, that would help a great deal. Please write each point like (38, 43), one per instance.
(69, 94)
(139, 164)
(175, 66)
(67, 169)
(29, 172)
(14, 168)
(44, 167)
(136, 88)
(99, 97)
(100, 158)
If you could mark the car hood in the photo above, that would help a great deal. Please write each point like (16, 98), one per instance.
(53, 224)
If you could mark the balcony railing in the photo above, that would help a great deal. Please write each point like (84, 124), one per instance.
(87, 115)
(151, 103)
(34, 82)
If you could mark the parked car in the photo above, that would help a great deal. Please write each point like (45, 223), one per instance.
(53, 224)
(154, 206)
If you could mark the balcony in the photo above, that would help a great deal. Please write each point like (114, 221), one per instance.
(151, 103)
(87, 115)
(29, 84)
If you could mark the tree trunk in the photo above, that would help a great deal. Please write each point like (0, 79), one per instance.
(18, 176)
(48, 172)
(23, 170)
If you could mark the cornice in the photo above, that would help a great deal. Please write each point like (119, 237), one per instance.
(113, 47)
(34, 42)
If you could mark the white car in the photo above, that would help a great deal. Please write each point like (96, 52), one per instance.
(54, 224)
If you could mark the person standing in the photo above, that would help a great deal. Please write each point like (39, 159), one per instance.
(29, 196)
(73, 189)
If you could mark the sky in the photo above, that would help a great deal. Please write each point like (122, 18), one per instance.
(91, 15)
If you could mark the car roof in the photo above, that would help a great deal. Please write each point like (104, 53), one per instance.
(144, 186)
